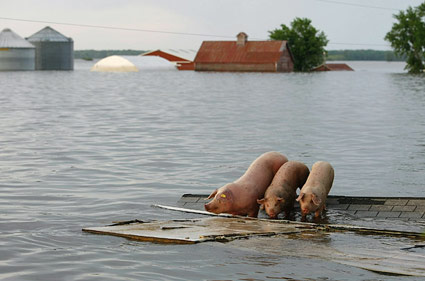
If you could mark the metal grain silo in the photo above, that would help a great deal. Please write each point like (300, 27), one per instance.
(53, 50)
(15, 52)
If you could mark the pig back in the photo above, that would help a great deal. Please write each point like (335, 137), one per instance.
(322, 174)
(292, 174)
(263, 169)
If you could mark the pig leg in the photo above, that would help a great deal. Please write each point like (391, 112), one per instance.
(319, 212)
(253, 213)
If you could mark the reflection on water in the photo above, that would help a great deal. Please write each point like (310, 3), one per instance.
(82, 149)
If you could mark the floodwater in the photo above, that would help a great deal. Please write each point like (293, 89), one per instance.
(81, 149)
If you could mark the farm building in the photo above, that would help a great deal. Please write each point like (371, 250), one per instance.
(15, 52)
(333, 67)
(244, 55)
(183, 59)
(53, 50)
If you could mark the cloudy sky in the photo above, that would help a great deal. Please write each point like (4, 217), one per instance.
(348, 24)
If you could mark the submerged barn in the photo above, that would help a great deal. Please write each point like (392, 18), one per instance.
(15, 52)
(53, 51)
(244, 55)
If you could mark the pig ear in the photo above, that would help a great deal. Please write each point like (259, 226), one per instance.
(300, 197)
(261, 201)
(212, 194)
(316, 200)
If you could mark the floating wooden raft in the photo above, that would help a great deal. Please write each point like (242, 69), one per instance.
(197, 230)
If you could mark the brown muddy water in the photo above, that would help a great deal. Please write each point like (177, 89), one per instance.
(80, 149)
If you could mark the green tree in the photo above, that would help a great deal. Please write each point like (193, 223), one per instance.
(307, 44)
(407, 37)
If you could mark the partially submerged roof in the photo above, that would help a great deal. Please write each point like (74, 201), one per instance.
(231, 52)
(9, 39)
(173, 55)
(114, 64)
(48, 34)
(151, 63)
(333, 67)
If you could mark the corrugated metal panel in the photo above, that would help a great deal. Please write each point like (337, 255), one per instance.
(9, 39)
(48, 34)
(54, 55)
(17, 59)
(242, 67)
(230, 52)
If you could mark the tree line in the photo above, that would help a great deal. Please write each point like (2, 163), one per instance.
(100, 54)
(407, 38)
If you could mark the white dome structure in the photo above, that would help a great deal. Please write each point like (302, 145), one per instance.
(114, 64)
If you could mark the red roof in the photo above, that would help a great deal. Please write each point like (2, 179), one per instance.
(166, 55)
(231, 52)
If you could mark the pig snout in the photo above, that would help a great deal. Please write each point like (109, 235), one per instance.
(305, 211)
(212, 207)
(209, 207)
(272, 215)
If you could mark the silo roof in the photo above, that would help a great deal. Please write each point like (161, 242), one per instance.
(9, 39)
(48, 34)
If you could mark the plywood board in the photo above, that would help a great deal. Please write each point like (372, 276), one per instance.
(197, 230)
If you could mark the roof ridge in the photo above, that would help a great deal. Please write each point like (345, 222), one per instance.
(48, 34)
(10, 39)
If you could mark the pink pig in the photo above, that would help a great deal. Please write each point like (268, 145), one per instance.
(280, 195)
(313, 194)
(240, 197)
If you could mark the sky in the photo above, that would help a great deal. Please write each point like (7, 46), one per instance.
(348, 24)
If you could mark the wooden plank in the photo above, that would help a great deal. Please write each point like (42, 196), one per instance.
(192, 211)
(196, 230)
